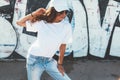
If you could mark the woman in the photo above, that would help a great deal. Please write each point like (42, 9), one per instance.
(53, 34)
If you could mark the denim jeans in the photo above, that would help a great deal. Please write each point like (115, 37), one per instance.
(36, 65)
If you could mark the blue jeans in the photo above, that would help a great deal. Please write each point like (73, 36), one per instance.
(36, 65)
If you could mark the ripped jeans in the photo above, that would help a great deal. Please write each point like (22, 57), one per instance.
(36, 65)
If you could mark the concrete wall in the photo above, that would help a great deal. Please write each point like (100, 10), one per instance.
(96, 27)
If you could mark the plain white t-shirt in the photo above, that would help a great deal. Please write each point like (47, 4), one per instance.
(49, 37)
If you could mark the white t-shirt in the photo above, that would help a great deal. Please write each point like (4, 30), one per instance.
(49, 38)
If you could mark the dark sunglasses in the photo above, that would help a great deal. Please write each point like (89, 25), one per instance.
(66, 12)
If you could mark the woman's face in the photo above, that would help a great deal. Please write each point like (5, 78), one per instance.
(60, 16)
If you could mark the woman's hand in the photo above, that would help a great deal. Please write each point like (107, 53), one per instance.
(39, 12)
(60, 60)
(31, 16)
(61, 69)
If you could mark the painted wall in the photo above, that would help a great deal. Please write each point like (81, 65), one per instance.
(95, 23)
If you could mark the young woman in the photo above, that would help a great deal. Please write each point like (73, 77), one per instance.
(53, 34)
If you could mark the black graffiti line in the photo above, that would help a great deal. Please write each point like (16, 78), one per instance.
(7, 44)
(86, 24)
(110, 39)
(100, 25)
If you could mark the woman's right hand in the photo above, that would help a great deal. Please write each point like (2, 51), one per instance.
(61, 69)
(22, 21)
(39, 12)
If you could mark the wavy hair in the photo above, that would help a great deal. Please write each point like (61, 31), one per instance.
(49, 16)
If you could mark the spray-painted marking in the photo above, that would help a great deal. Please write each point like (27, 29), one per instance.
(7, 44)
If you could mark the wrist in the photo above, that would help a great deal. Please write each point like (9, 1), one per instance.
(60, 64)
(32, 15)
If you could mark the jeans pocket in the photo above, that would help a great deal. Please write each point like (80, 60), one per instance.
(54, 61)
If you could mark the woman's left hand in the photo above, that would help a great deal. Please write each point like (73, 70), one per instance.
(61, 69)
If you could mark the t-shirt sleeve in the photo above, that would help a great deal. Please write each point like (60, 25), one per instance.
(32, 27)
(68, 35)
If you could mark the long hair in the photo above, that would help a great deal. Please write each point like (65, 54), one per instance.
(49, 16)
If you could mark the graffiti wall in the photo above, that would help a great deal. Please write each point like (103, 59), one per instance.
(95, 24)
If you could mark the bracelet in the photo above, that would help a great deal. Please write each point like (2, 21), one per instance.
(32, 15)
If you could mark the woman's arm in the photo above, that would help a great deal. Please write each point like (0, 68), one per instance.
(22, 21)
(62, 51)
(61, 57)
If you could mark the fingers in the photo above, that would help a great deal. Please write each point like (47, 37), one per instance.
(39, 11)
(61, 69)
(43, 10)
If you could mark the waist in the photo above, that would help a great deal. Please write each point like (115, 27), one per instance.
(40, 57)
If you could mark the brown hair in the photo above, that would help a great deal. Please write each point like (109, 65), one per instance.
(49, 16)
